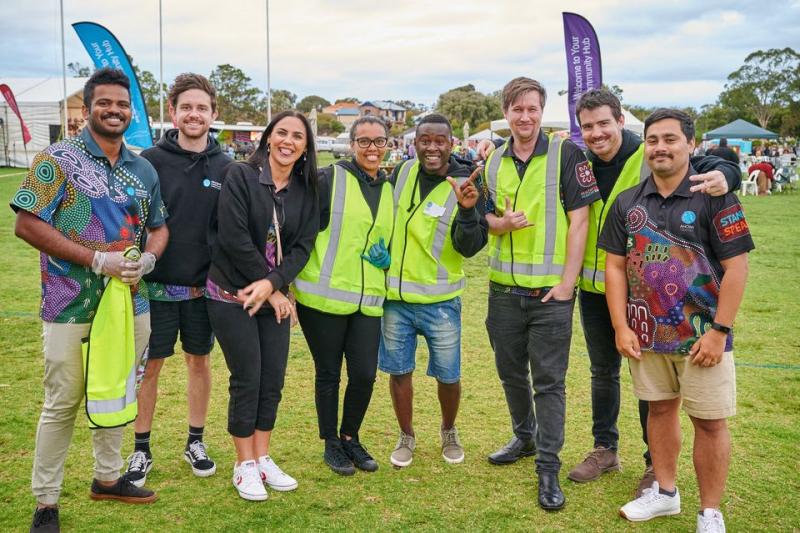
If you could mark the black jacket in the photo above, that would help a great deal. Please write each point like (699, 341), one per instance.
(244, 214)
(190, 185)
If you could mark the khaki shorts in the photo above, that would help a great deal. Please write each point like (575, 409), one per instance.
(706, 392)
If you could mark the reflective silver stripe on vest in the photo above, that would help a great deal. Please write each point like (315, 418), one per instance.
(101, 407)
(525, 269)
(402, 177)
(339, 195)
(442, 229)
(322, 287)
(551, 218)
(443, 285)
(491, 171)
(596, 275)
(427, 290)
(338, 294)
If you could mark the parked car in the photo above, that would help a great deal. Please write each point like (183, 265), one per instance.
(324, 144)
(341, 146)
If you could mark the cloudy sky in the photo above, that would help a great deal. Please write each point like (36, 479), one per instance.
(675, 52)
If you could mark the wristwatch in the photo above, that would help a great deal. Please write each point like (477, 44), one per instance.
(719, 327)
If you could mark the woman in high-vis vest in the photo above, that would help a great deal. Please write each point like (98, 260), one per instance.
(267, 220)
(341, 290)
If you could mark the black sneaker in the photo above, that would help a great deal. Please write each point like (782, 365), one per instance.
(45, 520)
(195, 454)
(139, 465)
(359, 455)
(123, 490)
(336, 458)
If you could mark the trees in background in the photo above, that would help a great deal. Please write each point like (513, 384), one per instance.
(764, 90)
(465, 104)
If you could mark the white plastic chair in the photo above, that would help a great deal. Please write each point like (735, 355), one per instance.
(750, 184)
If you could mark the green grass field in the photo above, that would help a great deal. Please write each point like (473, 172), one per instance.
(430, 495)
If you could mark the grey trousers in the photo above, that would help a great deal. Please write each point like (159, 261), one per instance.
(531, 342)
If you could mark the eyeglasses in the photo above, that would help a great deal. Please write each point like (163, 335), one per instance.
(364, 142)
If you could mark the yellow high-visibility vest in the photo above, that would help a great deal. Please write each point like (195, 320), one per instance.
(593, 275)
(109, 360)
(535, 256)
(336, 278)
(425, 266)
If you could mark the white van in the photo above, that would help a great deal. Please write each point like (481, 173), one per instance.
(341, 146)
(324, 144)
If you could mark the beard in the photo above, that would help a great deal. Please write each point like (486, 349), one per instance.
(98, 127)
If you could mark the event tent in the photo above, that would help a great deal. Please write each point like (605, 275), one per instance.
(39, 101)
(556, 116)
(740, 129)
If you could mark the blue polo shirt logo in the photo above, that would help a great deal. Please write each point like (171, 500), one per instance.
(206, 182)
(688, 217)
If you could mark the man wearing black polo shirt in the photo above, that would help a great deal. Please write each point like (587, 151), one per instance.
(675, 276)
(539, 188)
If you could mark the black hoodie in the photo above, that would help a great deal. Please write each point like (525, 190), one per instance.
(190, 184)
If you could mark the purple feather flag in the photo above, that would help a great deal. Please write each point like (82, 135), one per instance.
(584, 68)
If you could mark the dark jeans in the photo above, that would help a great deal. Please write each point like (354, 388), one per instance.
(331, 338)
(531, 338)
(256, 350)
(605, 363)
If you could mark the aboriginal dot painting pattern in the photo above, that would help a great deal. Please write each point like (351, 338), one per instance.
(100, 207)
(173, 293)
(671, 286)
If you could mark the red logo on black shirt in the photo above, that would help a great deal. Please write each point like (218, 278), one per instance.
(584, 175)
(730, 223)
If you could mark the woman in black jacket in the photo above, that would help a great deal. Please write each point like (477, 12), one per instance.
(267, 221)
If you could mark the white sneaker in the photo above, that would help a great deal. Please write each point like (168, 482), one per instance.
(248, 482)
(273, 476)
(651, 504)
(710, 521)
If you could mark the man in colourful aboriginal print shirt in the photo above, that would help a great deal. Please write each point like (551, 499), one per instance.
(84, 201)
(675, 276)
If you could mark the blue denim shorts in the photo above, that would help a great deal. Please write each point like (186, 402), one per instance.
(439, 323)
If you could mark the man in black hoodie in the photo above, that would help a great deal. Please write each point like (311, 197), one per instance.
(190, 166)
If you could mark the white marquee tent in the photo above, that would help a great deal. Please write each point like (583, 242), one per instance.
(40, 104)
(556, 116)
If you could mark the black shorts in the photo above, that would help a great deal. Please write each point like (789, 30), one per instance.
(190, 318)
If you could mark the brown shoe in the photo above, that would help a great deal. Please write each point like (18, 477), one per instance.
(598, 461)
(123, 490)
(647, 480)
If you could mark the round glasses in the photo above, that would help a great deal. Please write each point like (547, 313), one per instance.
(364, 142)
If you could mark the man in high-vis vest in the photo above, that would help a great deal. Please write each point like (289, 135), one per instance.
(83, 202)
(438, 221)
(539, 190)
(618, 163)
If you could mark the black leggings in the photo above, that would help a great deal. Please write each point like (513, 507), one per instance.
(256, 350)
(329, 337)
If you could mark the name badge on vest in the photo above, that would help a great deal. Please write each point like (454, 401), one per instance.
(432, 209)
